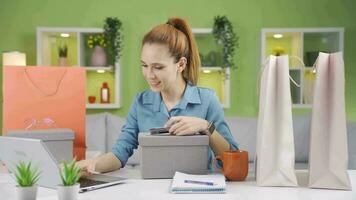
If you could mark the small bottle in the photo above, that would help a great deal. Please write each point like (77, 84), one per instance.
(105, 93)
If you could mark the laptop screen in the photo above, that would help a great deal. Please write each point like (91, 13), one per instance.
(13, 150)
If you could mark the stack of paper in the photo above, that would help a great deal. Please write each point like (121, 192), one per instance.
(188, 183)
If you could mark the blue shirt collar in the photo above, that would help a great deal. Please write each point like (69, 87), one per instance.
(191, 95)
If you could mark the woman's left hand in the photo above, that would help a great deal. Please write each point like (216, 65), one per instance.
(184, 125)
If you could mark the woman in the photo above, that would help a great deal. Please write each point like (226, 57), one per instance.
(170, 64)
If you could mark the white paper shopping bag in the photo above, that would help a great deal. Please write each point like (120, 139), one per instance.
(328, 154)
(275, 143)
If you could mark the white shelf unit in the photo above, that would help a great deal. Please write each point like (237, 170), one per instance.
(92, 68)
(202, 31)
(199, 32)
(45, 36)
(331, 36)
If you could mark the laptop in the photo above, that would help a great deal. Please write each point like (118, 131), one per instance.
(13, 150)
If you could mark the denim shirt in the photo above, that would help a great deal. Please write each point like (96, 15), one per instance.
(148, 110)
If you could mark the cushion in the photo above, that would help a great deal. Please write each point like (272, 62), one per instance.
(96, 132)
(114, 125)
(301, 131)
(102, 131)
(244, 130)
(351, 136)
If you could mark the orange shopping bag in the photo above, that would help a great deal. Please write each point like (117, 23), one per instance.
(45, 97)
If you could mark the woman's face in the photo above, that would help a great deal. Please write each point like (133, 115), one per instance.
(159, 67)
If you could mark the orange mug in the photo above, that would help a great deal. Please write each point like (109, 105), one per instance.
(235, 164)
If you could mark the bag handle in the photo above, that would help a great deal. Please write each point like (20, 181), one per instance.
(43, 92)
(267, 60)
(302, 68)
(314, 65)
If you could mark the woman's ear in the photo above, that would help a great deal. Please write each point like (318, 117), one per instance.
(182, 64)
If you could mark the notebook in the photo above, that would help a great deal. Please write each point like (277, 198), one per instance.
(188, 183)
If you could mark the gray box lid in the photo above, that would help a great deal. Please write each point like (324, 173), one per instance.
(146, 139)
(44, 134)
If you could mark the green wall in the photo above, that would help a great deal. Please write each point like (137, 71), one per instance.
(19, 19)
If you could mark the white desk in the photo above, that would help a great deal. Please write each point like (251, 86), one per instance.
(136, 188)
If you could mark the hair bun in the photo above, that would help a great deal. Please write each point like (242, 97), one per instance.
(177, 34)
(177, 23)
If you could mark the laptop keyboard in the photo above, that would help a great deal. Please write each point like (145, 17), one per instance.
(84, 182)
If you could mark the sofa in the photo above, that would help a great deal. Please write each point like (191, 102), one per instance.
(103, 129)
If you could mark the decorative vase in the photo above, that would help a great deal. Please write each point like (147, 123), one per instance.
(62, 61)
(68, 192)
(98, 57)
(26, 193)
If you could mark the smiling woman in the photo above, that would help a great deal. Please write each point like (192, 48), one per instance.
(170, 63)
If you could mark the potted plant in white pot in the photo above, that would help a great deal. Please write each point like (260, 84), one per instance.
(62, 53)
(70, 175)
(97, 42)
(26, 178)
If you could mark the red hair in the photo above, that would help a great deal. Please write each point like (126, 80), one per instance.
(178, 36)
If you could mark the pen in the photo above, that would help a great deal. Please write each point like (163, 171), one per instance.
(199, 182)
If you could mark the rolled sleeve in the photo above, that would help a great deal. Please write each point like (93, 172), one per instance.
(215, 115)
(128, 139)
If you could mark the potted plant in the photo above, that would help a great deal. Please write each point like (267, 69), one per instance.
(278, 51)
(113, 35)
(224, 34)
(97, 42)
(26, 178)
(62, 52)
(70, 174)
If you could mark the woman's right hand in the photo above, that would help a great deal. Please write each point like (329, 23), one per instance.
(101, 164)
(87, 167)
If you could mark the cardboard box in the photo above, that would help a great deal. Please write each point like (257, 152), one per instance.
(162, 156)
(58, 141)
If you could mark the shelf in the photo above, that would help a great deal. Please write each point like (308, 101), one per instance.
(79, 55)
(92, 68)
(302, 106)
(304, 43)
(211, 75)
(212, 68)
(202, 31)
(102, 106)
(207, 70)
(213, 78)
